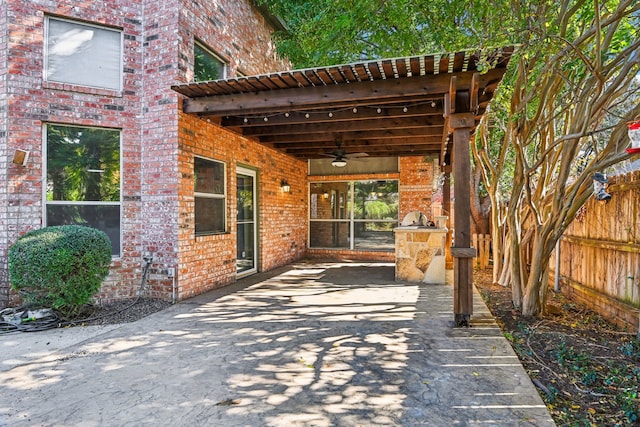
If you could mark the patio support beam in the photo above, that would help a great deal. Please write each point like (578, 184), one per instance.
(462, 252)
(461, 123)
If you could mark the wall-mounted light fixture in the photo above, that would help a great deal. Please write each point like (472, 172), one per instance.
(285, 186)
(20, 157)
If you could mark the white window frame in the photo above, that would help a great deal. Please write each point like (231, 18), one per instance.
(222, 196)
(91, 72)
(225, 64)
(350, 219)
(79, 203)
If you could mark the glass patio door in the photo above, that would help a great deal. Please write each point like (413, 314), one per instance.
(246, 225)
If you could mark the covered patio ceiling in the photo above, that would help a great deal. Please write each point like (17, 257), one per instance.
(386, 107)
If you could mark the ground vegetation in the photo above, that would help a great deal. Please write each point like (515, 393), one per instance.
(586, 369)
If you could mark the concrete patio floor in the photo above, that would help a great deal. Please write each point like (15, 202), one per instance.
(312, 344)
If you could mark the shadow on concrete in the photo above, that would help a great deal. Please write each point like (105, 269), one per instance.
(313, 344)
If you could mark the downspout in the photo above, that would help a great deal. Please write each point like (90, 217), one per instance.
(171, 272)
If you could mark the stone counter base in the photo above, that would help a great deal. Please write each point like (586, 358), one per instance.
(420, 254)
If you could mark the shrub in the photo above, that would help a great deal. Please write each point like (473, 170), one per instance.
(60, 267)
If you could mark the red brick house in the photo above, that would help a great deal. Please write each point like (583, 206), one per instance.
(87, 93)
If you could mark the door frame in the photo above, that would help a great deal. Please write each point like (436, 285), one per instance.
(253, 173)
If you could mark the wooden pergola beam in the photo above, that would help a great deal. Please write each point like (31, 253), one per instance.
(337, 115)
(360, 125)
(336, 96)
(369, 135)
(373, 151)
(360, 144)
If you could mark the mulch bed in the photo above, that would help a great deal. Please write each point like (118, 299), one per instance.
(586, 369)
(125, 311)
(104, 314)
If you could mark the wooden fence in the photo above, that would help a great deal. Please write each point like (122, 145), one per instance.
(482, 243)
(600, 253)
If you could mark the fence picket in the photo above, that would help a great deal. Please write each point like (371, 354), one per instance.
(482, 243)
(600, 253)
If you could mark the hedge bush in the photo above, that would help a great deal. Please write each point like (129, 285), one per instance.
(60, 267)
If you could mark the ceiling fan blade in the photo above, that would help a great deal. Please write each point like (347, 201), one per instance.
(355, 155)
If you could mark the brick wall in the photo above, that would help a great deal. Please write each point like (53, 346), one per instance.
(207, 262)
(158, 168)
(416, 186)
(236, 32)
(35, 103)
(158, 52)
(4, 166)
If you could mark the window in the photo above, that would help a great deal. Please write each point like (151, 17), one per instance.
(206, 65)
(83, 54)
(83, 179)
(357, 215)
(210, 196)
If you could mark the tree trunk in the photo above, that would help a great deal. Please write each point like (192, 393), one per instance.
(478, 204)
(535, 295)
(515, 262)
(505, 274)
(497, 240)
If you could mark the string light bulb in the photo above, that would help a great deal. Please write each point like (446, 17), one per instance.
(433, 104)
(330, 114)
(246, 120)
(266, 119)
(355, 110)
(379, 110)
(405, 109)
(306, 115)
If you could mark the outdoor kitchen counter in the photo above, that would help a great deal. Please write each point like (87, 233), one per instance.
(420, 254)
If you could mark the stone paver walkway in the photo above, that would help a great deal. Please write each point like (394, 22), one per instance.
(317, 344)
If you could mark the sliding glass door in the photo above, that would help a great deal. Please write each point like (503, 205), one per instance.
(246, 224)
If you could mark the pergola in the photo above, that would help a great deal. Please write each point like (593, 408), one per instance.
(426, 105)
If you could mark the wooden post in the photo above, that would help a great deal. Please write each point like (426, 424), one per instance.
(462, 252)
(459, 113)
(446, 207)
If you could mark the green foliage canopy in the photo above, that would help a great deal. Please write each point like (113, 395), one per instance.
(327, 32)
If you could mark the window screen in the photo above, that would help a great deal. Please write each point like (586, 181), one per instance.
(83, 54)
(210, 196)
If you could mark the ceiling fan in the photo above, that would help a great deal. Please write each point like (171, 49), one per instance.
(340, 156)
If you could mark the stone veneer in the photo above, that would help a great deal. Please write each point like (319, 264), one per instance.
(420, 254)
